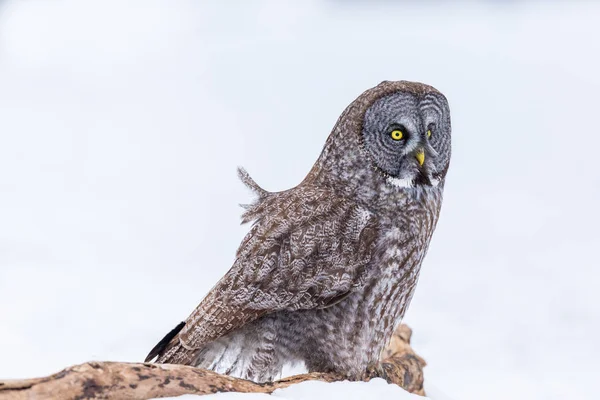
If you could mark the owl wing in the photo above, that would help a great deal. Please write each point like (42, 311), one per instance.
(307, 249)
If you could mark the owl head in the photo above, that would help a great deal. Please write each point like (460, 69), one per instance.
(396, 134)
(406, 136)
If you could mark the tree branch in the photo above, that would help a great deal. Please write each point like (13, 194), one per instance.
(137, 381)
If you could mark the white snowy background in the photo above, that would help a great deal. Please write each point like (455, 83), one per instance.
(122, 124)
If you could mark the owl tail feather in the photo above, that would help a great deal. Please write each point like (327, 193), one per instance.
(161, 347)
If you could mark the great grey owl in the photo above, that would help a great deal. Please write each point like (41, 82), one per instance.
(329, 267)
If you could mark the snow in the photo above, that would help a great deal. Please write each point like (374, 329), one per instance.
(122, 126)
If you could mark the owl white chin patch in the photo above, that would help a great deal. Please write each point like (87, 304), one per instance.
(407, 182)
(401, 182)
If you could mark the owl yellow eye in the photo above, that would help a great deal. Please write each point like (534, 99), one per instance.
(429, 133)
(397, 134)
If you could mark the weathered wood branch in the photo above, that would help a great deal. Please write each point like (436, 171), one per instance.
(136, 381)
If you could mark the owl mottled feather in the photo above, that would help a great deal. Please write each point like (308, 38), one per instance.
(328, 268)
(307, 249)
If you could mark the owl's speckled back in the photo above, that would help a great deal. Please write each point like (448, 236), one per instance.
(329, 267)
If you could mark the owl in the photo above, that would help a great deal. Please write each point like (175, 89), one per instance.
(328, 268)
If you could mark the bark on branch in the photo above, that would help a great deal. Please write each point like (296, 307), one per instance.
(137, 381)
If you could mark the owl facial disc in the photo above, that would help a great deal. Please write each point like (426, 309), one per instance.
(405, 136)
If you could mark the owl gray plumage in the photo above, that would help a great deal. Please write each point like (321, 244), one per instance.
(329, 267)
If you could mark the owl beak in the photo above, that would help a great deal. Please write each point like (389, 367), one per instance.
(420, 156)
